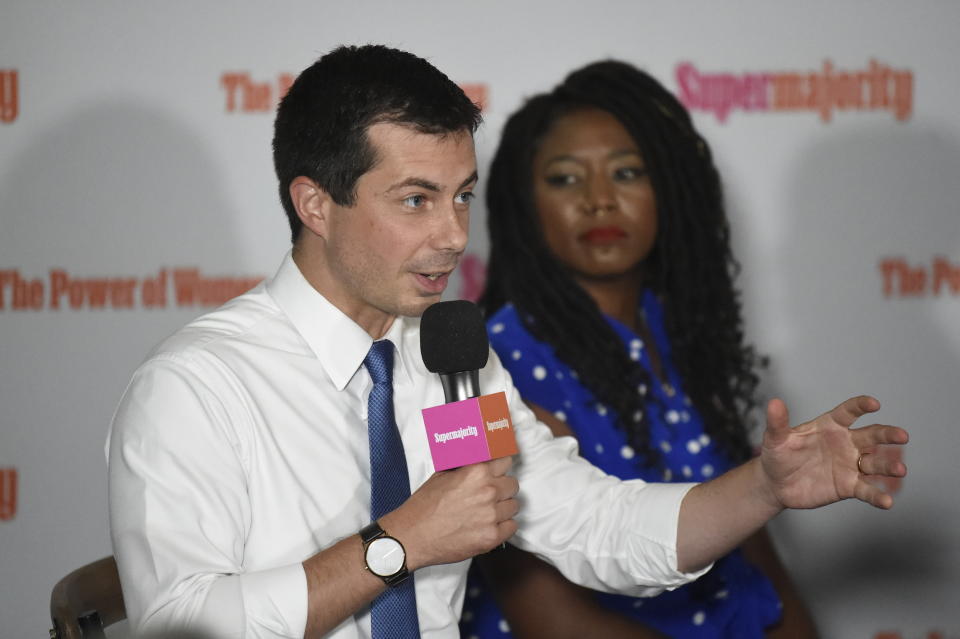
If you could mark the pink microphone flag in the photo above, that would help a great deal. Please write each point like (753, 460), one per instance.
(469, 431)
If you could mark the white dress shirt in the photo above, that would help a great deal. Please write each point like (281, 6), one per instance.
(240, 449)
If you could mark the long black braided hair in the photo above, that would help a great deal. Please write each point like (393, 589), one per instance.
(691, 268)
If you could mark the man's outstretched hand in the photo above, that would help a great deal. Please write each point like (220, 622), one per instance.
(825, 460)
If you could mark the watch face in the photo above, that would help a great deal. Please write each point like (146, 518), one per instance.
(385, 556)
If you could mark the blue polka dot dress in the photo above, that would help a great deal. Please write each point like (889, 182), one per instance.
(734, 600)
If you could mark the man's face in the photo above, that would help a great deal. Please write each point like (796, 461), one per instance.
(392, 252)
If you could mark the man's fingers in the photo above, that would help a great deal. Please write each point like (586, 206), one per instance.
(500, 466)
(872, 495)
(877, 434)
(506, 509)
(507, 487)
(853, 409)
(876, 463)
(778, 419)
(506, 529)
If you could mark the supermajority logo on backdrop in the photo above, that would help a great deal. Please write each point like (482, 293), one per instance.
(8, 493)
(9, 95)
(878, 87)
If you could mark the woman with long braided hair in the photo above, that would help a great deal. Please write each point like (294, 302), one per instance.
(610, 298)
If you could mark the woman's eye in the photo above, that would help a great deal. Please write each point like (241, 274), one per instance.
(561, 179)
(465, 197)
(414, 201)
(629, 172)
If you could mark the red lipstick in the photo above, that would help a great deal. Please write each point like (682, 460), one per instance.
(603, 235)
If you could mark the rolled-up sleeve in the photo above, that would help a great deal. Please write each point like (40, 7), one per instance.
(180, 513)
(599, 531)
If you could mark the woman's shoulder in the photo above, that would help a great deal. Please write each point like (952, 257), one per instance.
(505, 319)
(511, 334)
(532, 363)
(507, 330)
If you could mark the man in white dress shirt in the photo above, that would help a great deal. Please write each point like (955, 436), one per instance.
(239, 459)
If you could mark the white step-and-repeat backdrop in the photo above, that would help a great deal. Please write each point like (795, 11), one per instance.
(136, 192)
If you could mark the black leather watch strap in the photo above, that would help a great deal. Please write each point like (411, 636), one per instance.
(370, 532)
(373, 531)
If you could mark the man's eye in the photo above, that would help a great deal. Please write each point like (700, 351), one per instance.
(561, 179)
(414, 201)
(465, 197)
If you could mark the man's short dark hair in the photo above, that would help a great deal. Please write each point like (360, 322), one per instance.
(322, 122)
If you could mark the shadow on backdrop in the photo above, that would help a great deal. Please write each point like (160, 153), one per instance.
(114, 190)
(854, 199)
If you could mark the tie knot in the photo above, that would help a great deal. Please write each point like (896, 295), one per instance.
(379, 362)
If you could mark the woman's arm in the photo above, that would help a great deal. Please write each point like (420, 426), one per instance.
(539, 603)
(797, 622)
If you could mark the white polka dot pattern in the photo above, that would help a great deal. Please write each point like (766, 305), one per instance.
(673, 426)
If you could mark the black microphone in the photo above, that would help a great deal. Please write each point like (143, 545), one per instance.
(453, 343)
(469, 427)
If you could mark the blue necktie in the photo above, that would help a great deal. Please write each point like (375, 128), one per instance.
(393, 615)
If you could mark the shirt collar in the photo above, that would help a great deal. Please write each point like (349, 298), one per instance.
(338, 342)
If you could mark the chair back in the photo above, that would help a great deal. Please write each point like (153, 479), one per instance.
(86, 601)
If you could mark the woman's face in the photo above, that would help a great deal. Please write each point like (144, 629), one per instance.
(594, 197)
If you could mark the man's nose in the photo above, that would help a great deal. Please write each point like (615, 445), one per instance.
(451, 230)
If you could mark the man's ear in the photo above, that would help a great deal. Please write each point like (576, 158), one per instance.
(312, 203)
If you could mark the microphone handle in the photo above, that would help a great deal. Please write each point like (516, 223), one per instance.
(461, 385)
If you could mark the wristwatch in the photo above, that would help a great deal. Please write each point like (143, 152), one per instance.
(383, 555)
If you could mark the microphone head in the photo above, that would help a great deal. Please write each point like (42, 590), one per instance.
(453, 338)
